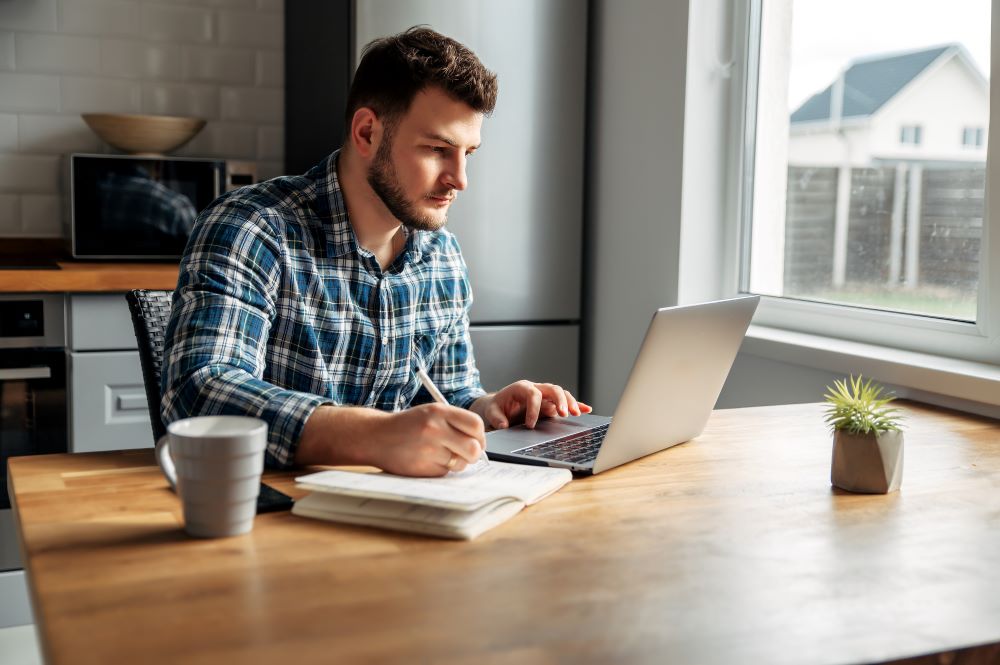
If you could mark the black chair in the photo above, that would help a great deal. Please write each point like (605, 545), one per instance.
(150, 314)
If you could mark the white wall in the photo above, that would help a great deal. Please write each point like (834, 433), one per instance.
(639, 58)
(660, 135)
(219, 60)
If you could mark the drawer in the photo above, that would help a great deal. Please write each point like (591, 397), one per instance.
(107, 402)
(99, 322)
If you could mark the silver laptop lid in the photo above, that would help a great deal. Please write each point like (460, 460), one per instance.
(676, 378)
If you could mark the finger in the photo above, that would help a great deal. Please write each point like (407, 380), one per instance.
(465, 448)
(495, 416)
(465, 422)
(549, 410)
(586, 408)
(556, 395)
(533, 406)
(572, 404)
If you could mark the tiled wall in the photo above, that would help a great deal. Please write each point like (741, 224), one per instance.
(217, 59)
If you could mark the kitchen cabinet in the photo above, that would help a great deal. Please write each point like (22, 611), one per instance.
(107, 399)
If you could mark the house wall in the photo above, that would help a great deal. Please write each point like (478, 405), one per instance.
(850, 146)
(219, 60)
(943, 101)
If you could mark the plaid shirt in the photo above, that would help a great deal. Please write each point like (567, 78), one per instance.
(278, 310)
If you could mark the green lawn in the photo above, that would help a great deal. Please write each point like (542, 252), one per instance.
(932, 301)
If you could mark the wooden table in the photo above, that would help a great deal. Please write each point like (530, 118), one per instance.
(732, 548)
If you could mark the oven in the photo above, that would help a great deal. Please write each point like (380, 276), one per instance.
(33, 409)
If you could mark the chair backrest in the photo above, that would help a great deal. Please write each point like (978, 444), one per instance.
(150, 313)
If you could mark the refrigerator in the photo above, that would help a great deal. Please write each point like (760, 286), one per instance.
(520, 221)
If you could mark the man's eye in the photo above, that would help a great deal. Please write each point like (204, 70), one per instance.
(439, 150)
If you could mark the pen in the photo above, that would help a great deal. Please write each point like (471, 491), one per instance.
(439, 398)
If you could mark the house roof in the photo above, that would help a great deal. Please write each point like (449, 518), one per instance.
(870, 83)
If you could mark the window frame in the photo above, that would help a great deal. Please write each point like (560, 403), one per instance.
(977, 341)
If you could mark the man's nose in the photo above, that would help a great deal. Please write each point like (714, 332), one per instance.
(456, 178)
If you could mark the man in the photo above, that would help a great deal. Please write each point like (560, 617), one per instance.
(311, 301)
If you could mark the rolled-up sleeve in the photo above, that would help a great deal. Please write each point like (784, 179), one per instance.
(216, 341)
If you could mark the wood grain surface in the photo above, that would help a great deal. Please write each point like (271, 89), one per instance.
(731, 548)
(85, 277)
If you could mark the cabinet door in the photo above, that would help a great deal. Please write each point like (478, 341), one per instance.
(548, 354)
(100, 322)
(107, 402)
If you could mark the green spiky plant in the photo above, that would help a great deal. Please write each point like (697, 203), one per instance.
(856, 406)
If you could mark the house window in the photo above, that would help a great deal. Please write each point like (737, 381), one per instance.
(972, 137)
(910, 134)
(840, 222)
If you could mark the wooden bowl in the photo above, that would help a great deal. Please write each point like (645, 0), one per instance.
(143, 134)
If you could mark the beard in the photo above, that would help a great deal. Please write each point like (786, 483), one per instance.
(384, 181)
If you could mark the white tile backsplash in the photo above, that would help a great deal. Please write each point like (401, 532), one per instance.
(66, 54)
(41, 215)
(271, 69)
(56, 134)
(99, 17)
(100, 95)
(38, 15)
(257, 29)
(253, 104)
(177, 24)
(29, 92)
(271, 143)
(29, 173)
(219, 65)
(10, 214)
(8, 132)
(200, 101)
(217, 59)
(224, 139)
(141, 60)
(6, 51)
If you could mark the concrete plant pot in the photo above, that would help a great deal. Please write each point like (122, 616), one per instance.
(867, 463)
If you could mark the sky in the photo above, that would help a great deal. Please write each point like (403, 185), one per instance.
(827, 35)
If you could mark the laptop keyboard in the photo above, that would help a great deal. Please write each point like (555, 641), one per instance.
(575, 448)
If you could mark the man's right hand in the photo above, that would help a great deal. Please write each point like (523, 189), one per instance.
(420, 441)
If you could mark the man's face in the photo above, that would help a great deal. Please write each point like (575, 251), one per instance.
(419, 167)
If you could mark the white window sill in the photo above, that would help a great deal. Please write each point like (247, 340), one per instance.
(976, 384)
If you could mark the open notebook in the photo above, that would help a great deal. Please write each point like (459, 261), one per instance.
(458, 505)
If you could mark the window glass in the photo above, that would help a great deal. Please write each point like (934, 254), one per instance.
(861, 194)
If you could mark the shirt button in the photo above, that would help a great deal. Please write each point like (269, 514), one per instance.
(385, 340)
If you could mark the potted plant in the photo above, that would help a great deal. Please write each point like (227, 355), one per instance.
(867, 440)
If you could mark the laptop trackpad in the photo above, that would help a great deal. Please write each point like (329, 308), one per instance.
(507, 440)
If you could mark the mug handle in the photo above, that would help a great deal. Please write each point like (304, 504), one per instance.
(165, 461)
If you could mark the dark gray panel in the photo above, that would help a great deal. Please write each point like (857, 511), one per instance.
(318, 41)
(548, 354)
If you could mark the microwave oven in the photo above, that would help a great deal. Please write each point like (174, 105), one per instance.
(137, 207)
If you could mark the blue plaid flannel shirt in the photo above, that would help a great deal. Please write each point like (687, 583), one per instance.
(278, 310)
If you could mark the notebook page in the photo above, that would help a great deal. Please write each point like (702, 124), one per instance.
(458, 491)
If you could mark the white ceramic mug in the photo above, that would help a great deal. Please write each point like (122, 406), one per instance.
(215, 464)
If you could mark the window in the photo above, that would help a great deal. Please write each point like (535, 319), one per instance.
(846, 229)
(972, 137)
(910, 134)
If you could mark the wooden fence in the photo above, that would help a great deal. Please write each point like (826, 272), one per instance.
(950, 223)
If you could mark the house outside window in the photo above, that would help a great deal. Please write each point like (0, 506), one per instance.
(972, 137)
(847, 230)
(910, 134)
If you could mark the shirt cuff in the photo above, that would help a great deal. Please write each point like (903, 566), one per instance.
(286, 414)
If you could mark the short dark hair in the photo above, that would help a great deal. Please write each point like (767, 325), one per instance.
(394, 69)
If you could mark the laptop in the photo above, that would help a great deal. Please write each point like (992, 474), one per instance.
(677, 376)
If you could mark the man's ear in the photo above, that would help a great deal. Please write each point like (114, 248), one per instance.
(366, 132)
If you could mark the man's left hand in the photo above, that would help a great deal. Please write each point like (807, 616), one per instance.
(525, 401)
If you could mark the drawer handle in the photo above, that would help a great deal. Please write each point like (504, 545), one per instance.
(132, 402)
(16, 373)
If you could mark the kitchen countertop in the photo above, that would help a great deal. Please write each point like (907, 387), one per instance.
(89, 277)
